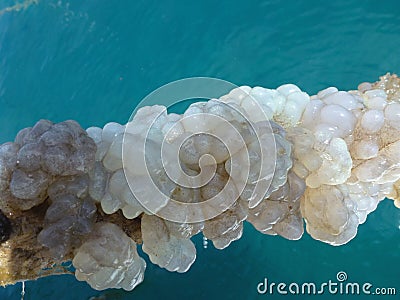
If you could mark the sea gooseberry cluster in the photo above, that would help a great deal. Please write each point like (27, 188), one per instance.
(270, 157)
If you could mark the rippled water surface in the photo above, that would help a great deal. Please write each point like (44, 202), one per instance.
(93, 61)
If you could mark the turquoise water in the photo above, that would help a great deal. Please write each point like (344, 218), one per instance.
(93, 61)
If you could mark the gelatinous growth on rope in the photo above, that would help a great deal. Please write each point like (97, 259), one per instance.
(272, 158)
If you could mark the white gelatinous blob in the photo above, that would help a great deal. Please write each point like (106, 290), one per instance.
(154, 116)
(102, 147)
(226, 227)
(108, 259)
(366, 197)
(112, 161)
(319, 164)
(341, 98)
(336, 165)
(108, 183)
(285, 105)
(365, 149)
(382, 168)
(280, 212)
(329, 215)
(321, 154)
(295, 104)
(288, 89)
(311, 114)
(377, 103)
(334, 108)
(165, 245)
(116, 194)
(392, 114)
(338, 116)
(330, 211)
(258, 111)
(111, 130)
(173, 128)
(326, 92)
(372, 121)
(375, 93)
(364, 86)
(218, 121)
(270, 160)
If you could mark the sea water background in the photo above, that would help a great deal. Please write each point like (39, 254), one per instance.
(93, 61)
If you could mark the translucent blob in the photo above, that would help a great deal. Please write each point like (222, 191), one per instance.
(108, 259)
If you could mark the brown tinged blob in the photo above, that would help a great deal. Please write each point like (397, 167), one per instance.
(41, 157)
(23, 258)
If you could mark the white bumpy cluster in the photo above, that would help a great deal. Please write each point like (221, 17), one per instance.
(108, 184)
(269, 157)
(108, 259)
(355, 137)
